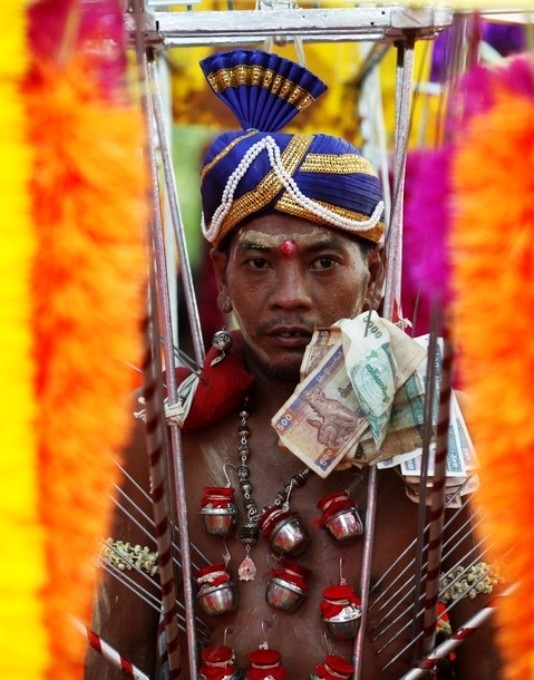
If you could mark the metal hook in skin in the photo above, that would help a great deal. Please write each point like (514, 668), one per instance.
(286, 502)
(342, 579)
(265, 624)
(228, 482)
(226, 555)
(327, 643)
(358, 479)
(227, 631)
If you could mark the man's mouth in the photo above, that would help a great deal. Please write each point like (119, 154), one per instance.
(290, 336)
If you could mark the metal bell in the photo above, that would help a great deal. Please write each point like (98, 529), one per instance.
(287, 587)
(218, 512)
(341, 612)
(218, 663)
(346, 629)
(265, 664)
(217, 593)
(284, 595)
(218, 599)
(285, 532)
(345, 526)
(219, 521)
(340, 517)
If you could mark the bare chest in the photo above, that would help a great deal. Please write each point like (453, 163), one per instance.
(300, 633)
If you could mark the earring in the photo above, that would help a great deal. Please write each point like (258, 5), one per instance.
(225, 304)
(222, 341)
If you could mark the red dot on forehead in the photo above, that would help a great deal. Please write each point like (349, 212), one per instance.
(288, 247)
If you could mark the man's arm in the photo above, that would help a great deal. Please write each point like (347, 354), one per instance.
(120, 616)
(477, 657)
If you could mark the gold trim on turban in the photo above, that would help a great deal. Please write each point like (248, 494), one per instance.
(330, 164)
(259, 76)
(265, 191)
(289, 206)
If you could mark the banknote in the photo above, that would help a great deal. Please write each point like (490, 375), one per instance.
(379, 359)
(430, 370)
(405, 427)
(322, 341)
(323, 419)
(368, 331)
(454, 490)
(465, 444)
(455, 463)
(456, 460)
(461, 457)
(452, 498)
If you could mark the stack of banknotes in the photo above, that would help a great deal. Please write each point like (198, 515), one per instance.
(368, 395)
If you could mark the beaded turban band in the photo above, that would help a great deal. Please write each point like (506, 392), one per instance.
(259, 170)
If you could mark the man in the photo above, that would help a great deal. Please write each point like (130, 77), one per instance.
(295, 222)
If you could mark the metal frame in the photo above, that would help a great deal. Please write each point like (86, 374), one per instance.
(195, 28)
(385, 27)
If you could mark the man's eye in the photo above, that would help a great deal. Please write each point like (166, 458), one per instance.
(257, 263)
(324, 262)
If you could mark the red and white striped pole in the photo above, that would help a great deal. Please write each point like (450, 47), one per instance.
(437, 501)
(446, 647)
(155, 439)
(111, 654)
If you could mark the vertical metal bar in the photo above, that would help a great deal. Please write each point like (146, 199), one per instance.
(392, 295)
(176, 463)
(405, 60)
(177, 222)
(437, 506)
(155, 439)
(430, 392)
(365, 577)
(155, 422)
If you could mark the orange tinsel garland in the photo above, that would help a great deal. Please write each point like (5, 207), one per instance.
(90, 208)
(493, 242)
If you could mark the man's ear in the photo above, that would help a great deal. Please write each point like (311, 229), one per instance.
(377, 269)
(219, 260)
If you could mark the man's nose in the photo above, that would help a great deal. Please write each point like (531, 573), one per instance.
(292, 289)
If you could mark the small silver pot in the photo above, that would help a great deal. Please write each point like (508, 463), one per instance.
(345, 526)
(218, 599)
(289, 536)
(345, 629)
(284, 595)
(219, 521)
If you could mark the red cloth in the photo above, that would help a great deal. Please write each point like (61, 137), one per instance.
(332, 504)
(337, 598)
(265, 663)
(334, 668)
(292, 572)
(210, 673)
(212, 575)
(222, 389)
(218, 496)
(218, 663)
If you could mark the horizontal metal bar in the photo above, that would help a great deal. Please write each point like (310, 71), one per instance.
(388, 24)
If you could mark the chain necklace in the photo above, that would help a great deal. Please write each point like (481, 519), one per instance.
(270, 518)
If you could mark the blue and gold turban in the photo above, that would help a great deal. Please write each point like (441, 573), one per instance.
(259, 170)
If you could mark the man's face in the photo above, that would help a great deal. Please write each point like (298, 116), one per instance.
(284, 277)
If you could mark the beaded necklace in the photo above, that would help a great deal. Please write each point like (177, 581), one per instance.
(281, 526)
